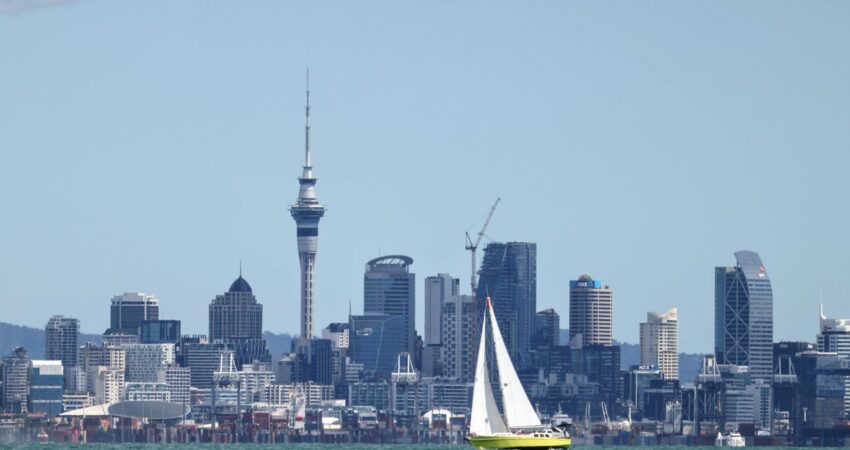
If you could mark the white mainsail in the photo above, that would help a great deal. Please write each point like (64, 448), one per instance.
(518, 410)
(485, 418)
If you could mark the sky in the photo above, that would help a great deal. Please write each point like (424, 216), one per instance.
(152, 146)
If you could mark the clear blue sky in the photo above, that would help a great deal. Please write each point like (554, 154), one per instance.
(151, 145)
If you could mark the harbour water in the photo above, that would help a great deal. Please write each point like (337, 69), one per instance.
(32, 446)
(130, 446)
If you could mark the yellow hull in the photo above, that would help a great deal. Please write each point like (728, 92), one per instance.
(518, 441)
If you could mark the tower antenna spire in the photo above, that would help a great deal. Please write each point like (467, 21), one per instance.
(307, 159)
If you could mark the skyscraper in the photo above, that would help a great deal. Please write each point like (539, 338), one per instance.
(129, 309)
(16, 380)
(743, 316)
(508, 276)
(458, 347)
(834, 337)
(307, 211)
(591, 312)
(236, 320)
(438, 290)
(236, 314)
(60, 340)
(390, 288)
(659, 342)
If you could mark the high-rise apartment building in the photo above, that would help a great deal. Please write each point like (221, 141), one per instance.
(15, 374)
(255, 380)
(390, 288)
(117, 338)
(659, 342)
(108, 384)
(591, 312)
(147, 362)
(179, 381)
(236, 314)
(93, 356)
(508, 276)
(459, 345)
(129, 309)
(306, 212)
(743, 316)
(60, 340)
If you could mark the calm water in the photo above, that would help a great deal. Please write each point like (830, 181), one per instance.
(305, 447)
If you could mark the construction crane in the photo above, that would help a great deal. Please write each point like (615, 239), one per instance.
(473, 246)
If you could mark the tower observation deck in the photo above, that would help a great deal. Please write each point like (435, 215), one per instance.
(307, 211)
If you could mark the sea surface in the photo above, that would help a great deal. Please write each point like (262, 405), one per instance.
(131, 446)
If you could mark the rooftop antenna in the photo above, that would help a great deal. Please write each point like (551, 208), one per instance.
(307, 159)
(240, 267)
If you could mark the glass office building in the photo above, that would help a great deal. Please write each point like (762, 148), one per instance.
(390, 288)
(159, 332)
(47, 387)
(129, 309)
(743, 316)
(375, 341)
(508, 276)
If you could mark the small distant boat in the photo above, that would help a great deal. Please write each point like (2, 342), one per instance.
(42, 437)
(520, 427)
(733, 439)
(561, 420)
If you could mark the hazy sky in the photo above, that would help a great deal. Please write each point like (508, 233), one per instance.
(149, 146)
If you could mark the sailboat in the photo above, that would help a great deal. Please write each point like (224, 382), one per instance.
(519, 427)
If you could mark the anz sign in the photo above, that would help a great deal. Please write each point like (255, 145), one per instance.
(595, 284)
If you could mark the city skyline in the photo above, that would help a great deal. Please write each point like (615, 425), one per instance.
(174, 156)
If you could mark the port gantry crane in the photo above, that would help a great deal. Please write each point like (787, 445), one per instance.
(473, 246)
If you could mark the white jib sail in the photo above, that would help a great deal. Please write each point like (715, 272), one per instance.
(518, 410)
(485, 418)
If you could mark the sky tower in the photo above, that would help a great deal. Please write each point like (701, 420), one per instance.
(307, 211)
